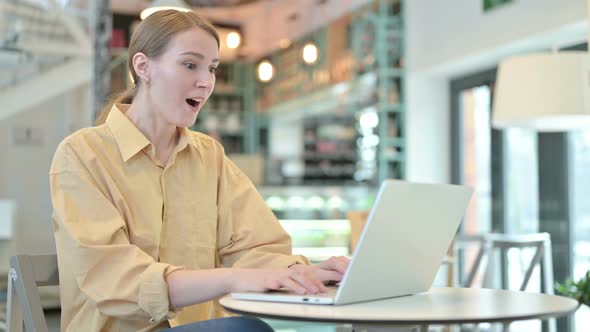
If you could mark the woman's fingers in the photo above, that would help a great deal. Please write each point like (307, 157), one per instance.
(345, 260)
(335, 263)
(293, 285)
(301, 279)
(327, 276)
(309, 281)
(306, 276)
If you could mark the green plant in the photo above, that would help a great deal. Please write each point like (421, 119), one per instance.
(579, 290)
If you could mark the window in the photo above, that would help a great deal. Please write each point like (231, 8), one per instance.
(475, 108)
(580, 156)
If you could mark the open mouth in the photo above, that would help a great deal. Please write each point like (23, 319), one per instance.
(193, 102)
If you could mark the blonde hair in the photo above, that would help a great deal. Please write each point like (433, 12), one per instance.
(151, 38)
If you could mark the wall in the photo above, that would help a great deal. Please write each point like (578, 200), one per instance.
(449, 39)
(428, 149)
(24, 167)
(443, 32)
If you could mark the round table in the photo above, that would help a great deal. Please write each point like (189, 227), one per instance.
(437, 306)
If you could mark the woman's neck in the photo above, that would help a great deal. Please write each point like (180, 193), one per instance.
(161, 134)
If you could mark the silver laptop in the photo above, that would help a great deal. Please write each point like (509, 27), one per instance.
(403, 243)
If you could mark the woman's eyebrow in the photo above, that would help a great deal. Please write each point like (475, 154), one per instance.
(198, 55)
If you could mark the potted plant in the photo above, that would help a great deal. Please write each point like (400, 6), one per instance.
(578, 290)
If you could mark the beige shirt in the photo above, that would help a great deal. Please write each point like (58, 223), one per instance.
(123, 221)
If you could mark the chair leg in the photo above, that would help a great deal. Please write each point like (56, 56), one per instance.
(14, 316)
(25, 288)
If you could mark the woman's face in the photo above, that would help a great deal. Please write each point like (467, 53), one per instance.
(183, 77)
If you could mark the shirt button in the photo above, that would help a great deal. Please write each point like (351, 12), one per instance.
(152, 320)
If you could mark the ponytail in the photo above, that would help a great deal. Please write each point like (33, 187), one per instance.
(125, 97)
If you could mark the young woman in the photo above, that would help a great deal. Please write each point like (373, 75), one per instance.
(151, 220)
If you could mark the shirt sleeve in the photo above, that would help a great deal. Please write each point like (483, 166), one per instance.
(94, 248)
(250, 235)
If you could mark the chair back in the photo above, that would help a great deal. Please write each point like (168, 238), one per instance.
(489, 244)
(461, 243)
(27, 272)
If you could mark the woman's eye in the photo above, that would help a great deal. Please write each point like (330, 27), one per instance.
(190, 66)
(213, 70)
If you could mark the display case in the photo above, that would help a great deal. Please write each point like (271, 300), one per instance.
(316, 217)
(330, 149)
(319, 239)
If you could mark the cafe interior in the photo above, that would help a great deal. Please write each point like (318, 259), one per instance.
(318, 102)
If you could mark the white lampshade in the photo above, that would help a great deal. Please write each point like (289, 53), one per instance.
(545, 92)
(162, 5)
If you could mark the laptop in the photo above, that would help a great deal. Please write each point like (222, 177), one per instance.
(403, 243)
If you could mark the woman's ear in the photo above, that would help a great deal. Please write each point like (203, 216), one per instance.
(141, 64)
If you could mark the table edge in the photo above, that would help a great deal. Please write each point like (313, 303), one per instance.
(401, 321)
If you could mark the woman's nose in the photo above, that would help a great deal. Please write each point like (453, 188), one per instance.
(204, 80)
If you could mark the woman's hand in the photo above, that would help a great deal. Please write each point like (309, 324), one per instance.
(299, 278)
(328, 271)
(186, 287)
(300, 281)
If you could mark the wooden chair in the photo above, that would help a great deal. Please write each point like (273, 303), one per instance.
(27, 272)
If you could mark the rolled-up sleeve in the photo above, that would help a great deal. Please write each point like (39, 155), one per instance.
(250, 234)
(94, 249)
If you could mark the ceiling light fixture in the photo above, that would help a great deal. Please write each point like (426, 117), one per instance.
(265, 71)
(545, 92)
(157, 5)
(310, 53)
(233, 40)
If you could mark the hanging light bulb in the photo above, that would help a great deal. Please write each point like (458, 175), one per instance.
(265, 71)
(233, 40)
(310, 53)
(157, 5)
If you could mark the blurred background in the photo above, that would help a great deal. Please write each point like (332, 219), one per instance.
(319, 101)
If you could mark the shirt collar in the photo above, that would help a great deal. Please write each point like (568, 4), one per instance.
(129, 139)
(184, 139)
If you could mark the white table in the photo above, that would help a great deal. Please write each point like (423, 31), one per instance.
(438, 306)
